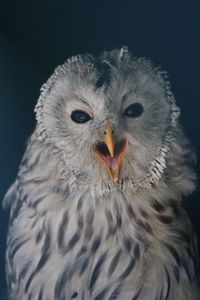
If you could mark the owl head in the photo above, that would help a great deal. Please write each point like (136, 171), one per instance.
(111, 117)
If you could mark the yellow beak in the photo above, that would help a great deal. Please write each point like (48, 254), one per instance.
(109, 140)
(111, 154)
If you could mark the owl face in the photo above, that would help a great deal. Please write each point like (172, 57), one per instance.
(110, 117)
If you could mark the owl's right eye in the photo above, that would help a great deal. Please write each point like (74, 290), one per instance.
(79, 116)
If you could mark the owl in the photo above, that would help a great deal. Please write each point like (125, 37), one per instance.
(96, 209)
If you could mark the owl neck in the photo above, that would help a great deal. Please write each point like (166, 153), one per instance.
(147, 216)
(50, 186)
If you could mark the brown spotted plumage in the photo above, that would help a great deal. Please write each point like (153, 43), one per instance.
(96, 211)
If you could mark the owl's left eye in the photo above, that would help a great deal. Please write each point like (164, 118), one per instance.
(79, 116)
(134, 110)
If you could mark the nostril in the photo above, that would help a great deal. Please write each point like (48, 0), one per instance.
(105, 132)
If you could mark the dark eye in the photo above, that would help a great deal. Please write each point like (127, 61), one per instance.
(79, 116)
(134, 110)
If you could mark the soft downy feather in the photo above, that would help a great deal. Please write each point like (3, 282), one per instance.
(73, 235)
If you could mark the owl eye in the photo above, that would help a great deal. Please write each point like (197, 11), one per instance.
(134, 110)
(79, 116)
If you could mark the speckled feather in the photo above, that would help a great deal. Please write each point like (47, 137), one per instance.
(73, 233)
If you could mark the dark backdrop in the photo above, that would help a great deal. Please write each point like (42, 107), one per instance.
(37, 35)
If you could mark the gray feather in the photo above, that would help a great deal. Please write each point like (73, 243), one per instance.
(73, 232)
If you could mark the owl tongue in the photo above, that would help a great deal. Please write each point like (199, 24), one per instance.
(112, 166)
(112, 163)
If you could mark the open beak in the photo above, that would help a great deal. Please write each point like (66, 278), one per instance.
(111, 153)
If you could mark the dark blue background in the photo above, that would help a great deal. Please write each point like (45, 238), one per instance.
(37, 35)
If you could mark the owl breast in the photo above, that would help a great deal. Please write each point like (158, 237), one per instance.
(83, 250)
